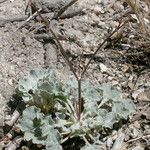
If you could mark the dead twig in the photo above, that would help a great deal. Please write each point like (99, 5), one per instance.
(138, 138)
(16, 114)
(119, 142)
(63, 9)
(28, 19)
(135, 5)
(14, 144)
(50, 37)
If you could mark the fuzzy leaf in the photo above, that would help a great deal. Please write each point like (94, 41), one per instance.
(123, 109)
(31, 81)
(37, 127)
(42, 89)
(52, 143)
(90, 92)
(40, 79)
(91, 108)
(109, 93)
(109, 120)
(103, 107)
(91, 147)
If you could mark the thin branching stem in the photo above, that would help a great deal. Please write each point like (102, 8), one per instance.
(80, 76)
(100, 46)
(64, 53)
(79, 99)
(79, 66)
(66, 58)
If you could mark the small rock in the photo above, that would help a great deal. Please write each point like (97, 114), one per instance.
(114, 24)
(137, 125)
(135, 17)
(98, 10)
(131, 85)
(147, 114)
(146, 20)
(102, 24)
(109, 142)
(115, 83)
(110, 78)
(135, 133)
(144, 96)
(138, 148)
(94, 17)
(11, 82)
(125, 68)
(103, 67)
(136, 93)
(118, 6)
(119, 142)
(114, 135)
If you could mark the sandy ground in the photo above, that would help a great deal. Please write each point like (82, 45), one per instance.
(20, 51)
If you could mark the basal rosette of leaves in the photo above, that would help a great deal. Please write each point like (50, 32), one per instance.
(39, 128)
(53, 107)
(41, 88)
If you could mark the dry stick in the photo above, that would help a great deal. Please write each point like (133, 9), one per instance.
(14, 144)
(50, 37)
(138, 138)
(63, 9)
(35, 14)
(119, 142)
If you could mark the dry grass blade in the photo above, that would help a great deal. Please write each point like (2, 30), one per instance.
(134, 4)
